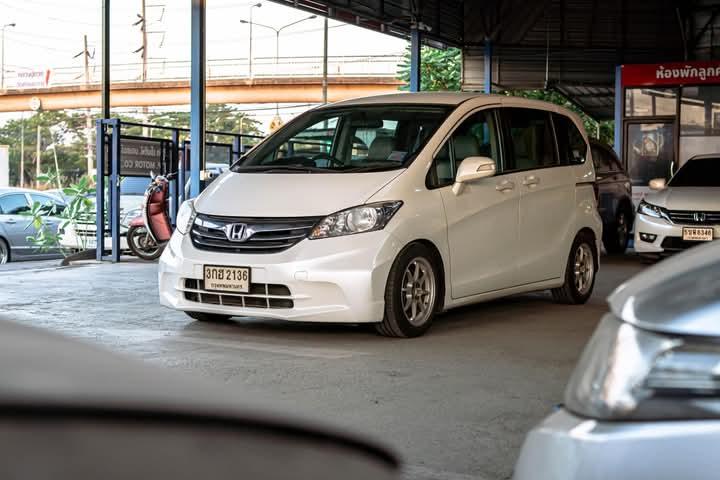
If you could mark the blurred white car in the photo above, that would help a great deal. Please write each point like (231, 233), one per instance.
(644, 400)
(683, 213)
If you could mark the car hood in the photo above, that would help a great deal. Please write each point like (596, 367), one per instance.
(680, 295)
(686, 198)
(291, 194)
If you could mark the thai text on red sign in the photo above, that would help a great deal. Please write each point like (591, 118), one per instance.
(674, 73)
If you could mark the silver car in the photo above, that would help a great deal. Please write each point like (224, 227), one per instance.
(15, 224)
(644, 399)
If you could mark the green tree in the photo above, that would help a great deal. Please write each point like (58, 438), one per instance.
(219, 118)
(439, 69)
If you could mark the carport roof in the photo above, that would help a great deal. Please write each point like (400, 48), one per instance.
(570, 45)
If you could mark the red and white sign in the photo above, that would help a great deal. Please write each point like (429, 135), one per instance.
(673, 73)
(32, 79)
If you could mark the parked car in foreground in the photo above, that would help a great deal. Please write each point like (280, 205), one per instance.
(415, 204)
(644, 400)
(15, 224)
(614, 198)
(75, 412)
(682, 213)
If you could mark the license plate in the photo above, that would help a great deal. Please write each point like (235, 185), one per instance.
(698, 234)
(227, 279)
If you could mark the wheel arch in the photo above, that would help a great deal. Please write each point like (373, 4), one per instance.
(440, 264)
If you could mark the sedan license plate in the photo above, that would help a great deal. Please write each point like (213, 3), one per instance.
(227, 279)
(698, 234)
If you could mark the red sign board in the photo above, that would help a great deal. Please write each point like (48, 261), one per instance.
(673, 73)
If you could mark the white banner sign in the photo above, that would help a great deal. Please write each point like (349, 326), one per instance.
(32, 79)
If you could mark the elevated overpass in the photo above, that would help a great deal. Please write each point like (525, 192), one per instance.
(284, 80)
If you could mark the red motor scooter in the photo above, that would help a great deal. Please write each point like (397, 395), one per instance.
(148, 233)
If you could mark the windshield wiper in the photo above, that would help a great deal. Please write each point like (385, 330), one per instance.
(372, 168)
(281, 169)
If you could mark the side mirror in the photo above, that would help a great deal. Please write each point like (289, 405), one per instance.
(657, 184)
(471, 169)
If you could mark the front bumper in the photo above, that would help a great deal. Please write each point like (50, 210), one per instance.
(84, 238)
(330, 280)
(566, 447)
(668, 235)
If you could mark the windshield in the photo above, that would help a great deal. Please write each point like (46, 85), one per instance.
(351, 139)
(134, 185)
(700, 172)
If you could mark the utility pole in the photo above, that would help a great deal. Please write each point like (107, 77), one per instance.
(88, 116)
(144, 48)
(37, 157)
(325, 62)
(2, 55)
(22, 150)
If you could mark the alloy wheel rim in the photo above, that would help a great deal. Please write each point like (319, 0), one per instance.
(418, 291)
(3, 254)
(145, 241)
(584, 268)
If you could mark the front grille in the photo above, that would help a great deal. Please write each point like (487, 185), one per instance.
(265, 235)
(672, 244)
(261, 295)
(688, 217)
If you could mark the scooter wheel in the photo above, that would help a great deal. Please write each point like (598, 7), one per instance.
(142, 244)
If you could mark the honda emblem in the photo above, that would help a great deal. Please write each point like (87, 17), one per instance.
(699, 217)
(237, 232)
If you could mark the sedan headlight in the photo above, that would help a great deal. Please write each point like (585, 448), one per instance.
(629, 373)
(185, 217)
(651, 210)
(363, 218)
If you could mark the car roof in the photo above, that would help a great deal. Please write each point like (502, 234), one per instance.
(705, 156)
(46, 371)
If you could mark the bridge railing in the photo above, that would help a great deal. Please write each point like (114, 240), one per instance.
(225, 68)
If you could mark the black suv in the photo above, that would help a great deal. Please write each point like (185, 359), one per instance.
(614, 198)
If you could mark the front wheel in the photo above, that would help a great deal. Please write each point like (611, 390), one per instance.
(579, 273)
(617, 235)
(142, 244)
(412, 293)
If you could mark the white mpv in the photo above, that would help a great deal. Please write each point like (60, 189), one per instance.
(390, 209)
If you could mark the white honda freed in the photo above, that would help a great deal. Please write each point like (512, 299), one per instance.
(390, 209)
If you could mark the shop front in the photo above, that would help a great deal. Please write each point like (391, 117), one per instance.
(670, 113)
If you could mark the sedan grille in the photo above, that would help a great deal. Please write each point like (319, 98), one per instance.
(694, 217)
(252, 235)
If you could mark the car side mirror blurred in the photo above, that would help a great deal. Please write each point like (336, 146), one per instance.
(471, 169)
(657, 184)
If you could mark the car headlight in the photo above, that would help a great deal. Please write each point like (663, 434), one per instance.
(651, 210)
(363, 218)
(129, 216)
(629, 373)
(185, 216)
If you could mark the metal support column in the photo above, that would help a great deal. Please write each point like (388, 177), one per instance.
(174, 168)
(114, 186)
(100, 161)
(618, 112)
(106, 59)
(237, 147)
(415, 60)
(197, 96)
(488, 61)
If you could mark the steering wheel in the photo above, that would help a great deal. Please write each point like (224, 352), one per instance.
(328, 157)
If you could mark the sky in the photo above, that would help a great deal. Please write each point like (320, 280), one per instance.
(49, 33)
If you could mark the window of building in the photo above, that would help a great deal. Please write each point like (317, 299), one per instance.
(650, 102)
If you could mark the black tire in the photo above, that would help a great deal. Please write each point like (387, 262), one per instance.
(136, 238)
(426, 291)
(4, 252)
(617, 235)
(208, 317)
(571, 293)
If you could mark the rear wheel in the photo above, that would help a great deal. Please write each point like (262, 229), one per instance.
(617, 235)
(411, 294)
(4, 252)
(207, 317)
(579, 272)
(142, 244)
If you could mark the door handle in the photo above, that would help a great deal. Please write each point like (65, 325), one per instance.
(531, 181)
(504, 186)
(10, 221)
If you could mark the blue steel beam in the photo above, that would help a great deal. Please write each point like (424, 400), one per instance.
(197, 95)
(99, 190)
(415, 60)
(618, 112)
(115, 189)
(487, 61)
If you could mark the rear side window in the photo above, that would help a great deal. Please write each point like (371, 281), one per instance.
(601, 160)
(571, 144)
(529, 139)
(14, 204)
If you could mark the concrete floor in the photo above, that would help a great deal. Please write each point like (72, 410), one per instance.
(455, 404)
